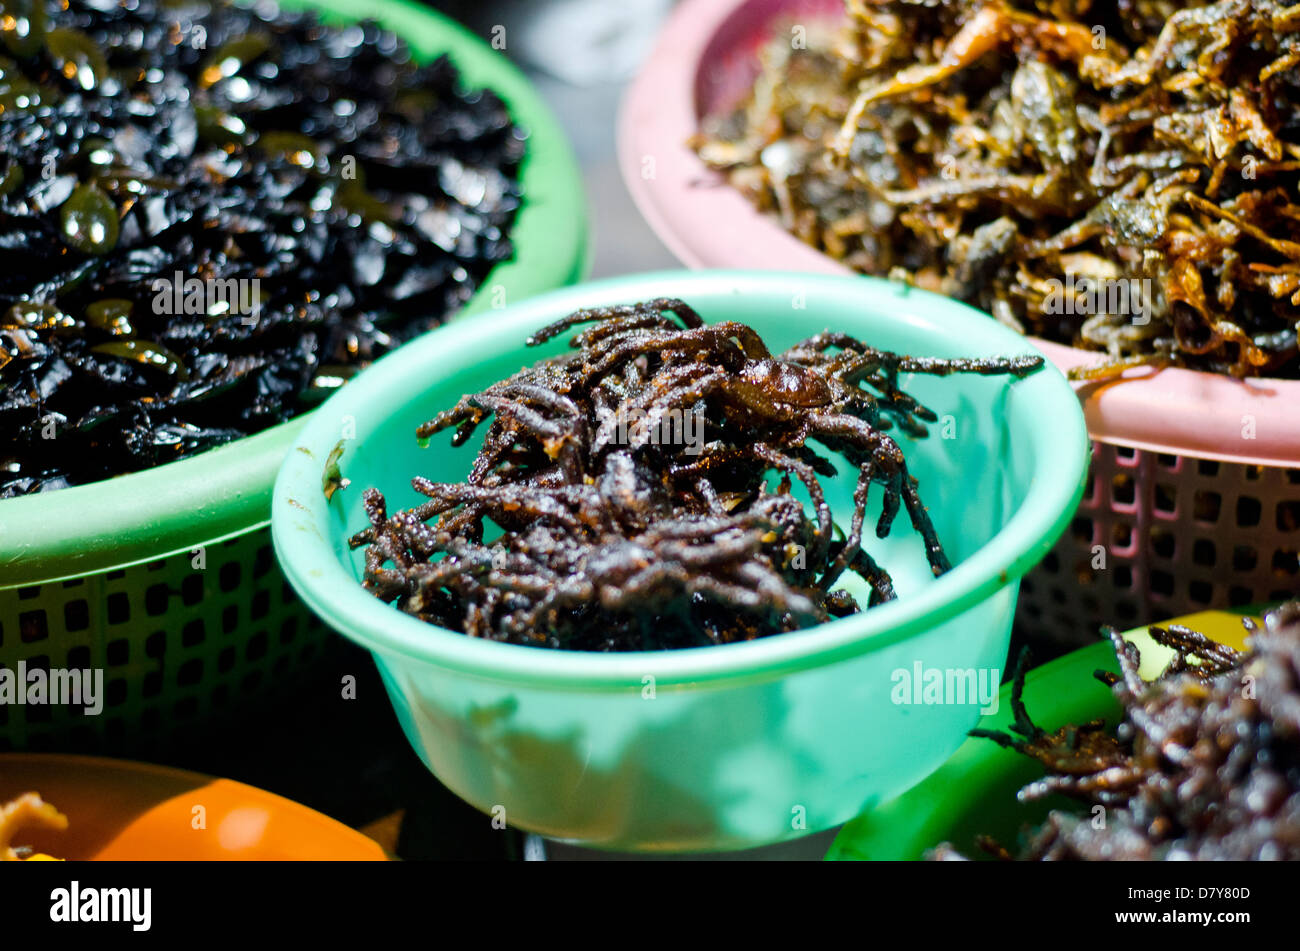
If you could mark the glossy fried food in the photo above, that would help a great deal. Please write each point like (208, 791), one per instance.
(212, 215)
(630, 481)
(24, 812)
(1121, 177)
(1205, 765)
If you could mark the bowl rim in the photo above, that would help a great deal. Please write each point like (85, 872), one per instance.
(689, 206)
(301, 516)
(213, 496)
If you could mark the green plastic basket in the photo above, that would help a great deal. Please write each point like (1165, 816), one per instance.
(165, 579)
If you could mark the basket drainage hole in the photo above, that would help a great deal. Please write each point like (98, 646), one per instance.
(76, 615)
(32, 627)
(1207, 506)
(1121, 534)
(1165, 500)
(192, 633)
(1244, 558)
(256, 648)
(192, 590)
(191, 672)
(1288, 516)
(1162, 582)
(119, 608)
(229, 576)
(156, 597)
(260, 606)
(1203, 552)
(1286, 562)
(1248, 511)
(1238, 597)
(1162, 543)
(1123, 489)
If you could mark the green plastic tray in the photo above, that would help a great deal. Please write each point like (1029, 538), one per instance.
(103, 575)
(974, 792)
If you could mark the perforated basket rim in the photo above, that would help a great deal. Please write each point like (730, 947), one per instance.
(708, 224)
(202, 499)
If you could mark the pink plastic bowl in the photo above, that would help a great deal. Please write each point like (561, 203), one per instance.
(705, 61)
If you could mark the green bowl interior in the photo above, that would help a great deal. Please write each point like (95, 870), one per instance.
(1001, 472)
(216, 495)
(974, 792)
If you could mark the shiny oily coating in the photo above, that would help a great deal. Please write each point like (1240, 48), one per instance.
(1117, 176)
(1205, 764)
(212, 215)
(614, 540)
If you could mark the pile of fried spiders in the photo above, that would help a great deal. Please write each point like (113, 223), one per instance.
(613, 539)
(1205, 764)
(1046, 160)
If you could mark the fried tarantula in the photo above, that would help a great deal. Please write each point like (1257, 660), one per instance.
(613, 539)
(1204, 765)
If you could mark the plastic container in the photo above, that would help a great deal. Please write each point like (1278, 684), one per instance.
(974, 793)
(710, 748)
(120, 811)
(165, 578)
(1225, 439)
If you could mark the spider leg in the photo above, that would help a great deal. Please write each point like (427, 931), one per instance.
(853, 544)
(808, 477)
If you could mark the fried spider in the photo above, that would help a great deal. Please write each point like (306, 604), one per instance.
(630, 482)
(1205, 763)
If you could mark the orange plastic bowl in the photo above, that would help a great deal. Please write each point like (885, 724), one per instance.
(124, 811)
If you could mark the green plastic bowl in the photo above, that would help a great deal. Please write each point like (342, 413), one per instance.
(103, 575)
(974, 793)
(709, 748)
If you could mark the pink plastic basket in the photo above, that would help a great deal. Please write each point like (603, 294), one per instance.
(1195, 498)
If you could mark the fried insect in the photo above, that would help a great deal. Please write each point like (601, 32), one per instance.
(630, 481)
(1121, 178)
(1202, 766)
(212, 215)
